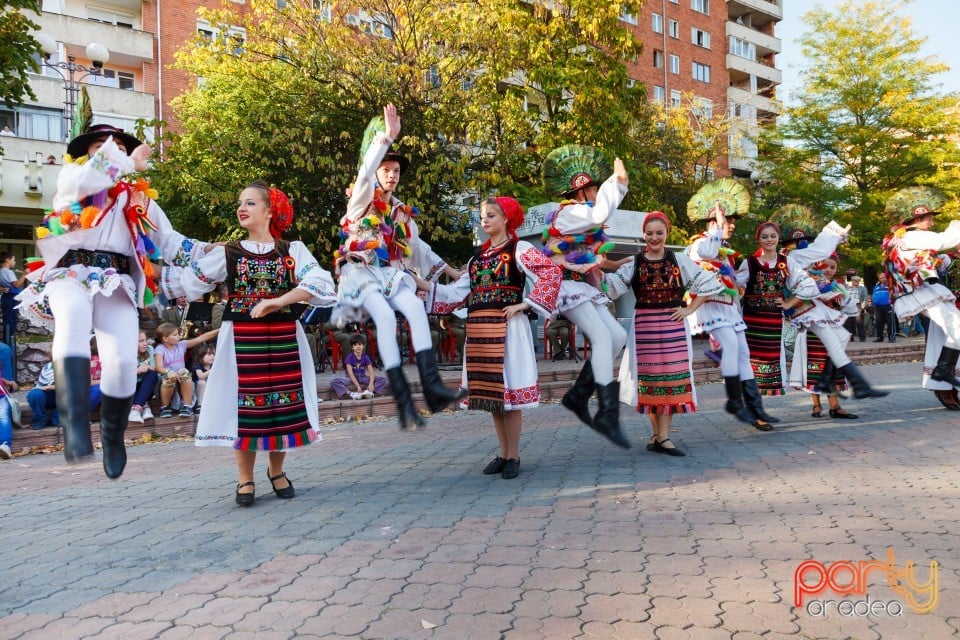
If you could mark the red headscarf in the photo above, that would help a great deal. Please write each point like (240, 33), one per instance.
(512, 213)
(657, 215)
(282, 212)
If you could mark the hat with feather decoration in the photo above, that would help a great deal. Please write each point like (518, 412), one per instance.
(726, 194)
(377, 125)
(572, 167)
(797, 222)
(911, 203)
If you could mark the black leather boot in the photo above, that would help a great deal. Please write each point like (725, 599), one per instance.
(861, 388)
(607, 420)
(577, 396)
(825, 385)
(435, 393)
(946, 367)
(409, 416)
(735, 404)
(71, 379)
(754, 403)
(113, 422)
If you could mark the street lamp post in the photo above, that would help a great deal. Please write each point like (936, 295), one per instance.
(98, 55)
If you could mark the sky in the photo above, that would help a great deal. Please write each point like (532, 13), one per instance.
(936, 20)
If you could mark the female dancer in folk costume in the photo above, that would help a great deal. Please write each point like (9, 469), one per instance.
(812, 369)
(261, 394)
(718, 204)
(799, 297)
(656, 374)
(499, 364)
(575, 241)
(97, 246)
(380, 242)
(913, 254)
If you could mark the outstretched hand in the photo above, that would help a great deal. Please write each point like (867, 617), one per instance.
(141, 157)
(392, 120)
(621, 172)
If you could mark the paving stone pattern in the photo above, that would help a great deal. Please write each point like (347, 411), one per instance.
(399, 535)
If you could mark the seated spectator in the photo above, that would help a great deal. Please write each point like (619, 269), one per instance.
(43, 397)
(6, 422)
(202, 363)
(169, 354)
(146, 382)
(6, 365)
(558, 333)
(360, 381)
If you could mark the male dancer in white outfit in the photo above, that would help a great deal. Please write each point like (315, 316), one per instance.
(381, 241)
(575, 241)
(912, 258)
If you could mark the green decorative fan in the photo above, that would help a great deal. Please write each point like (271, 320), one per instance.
(376, 125)
(726, 193)
(912, 202)
(82, 115)
(796, 221)
(571, 167)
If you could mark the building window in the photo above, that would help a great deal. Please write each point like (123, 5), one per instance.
(657, 23)
(631, 83)
(659, 93)
(743, 49)
(431, 77)
(110, 16)
(674, 64)
(700, 38)
(703, 6)
(703, 173)
(375, 25)
(674, 28)
(629, 18)
(39, 123)
(701, 72)
(675, 98)
(703, 108)
(321, 8)
(658, 58)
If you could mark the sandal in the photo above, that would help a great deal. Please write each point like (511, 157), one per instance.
(841, 413)
(652, 445)
(245, 499)
(817, 409)
(670, 451)
(287, 492)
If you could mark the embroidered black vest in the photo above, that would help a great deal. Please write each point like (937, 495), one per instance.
(495, 279)
(766, 285)
(657, 284)
(252, 277)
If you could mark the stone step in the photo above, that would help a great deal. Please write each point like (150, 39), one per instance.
(555, 379)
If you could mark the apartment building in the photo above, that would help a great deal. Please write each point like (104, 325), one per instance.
(120, 92)
(720, 51)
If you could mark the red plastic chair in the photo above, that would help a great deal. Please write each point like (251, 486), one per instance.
(334, 347)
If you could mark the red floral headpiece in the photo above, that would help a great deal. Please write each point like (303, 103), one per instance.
(282, 212)
(657, 215)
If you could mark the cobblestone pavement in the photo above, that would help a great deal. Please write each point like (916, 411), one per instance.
(396, 535)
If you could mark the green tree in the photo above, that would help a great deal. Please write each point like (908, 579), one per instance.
(485, 88)
(867, 121)
(17, 48)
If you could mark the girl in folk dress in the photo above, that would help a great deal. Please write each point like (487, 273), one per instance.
(661, 375)
(261, 394)
(810, 370)
(499, 358)
(764, 287)
(799, 297)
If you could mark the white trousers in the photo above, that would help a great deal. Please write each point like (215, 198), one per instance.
(115, 323)
(607, 337)
(947, 317)
(835, 341)
(382, 311)
(735, 354)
